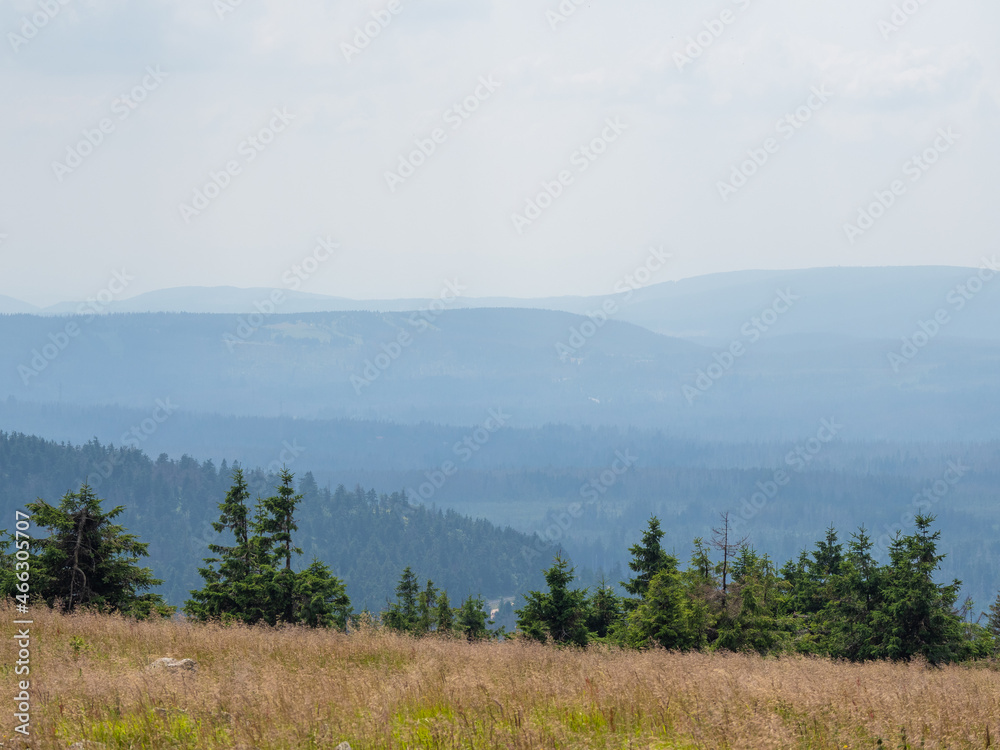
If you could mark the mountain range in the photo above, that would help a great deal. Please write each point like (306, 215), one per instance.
(868, 302)
(680, 398)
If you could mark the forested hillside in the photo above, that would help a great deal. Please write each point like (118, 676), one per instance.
(452, 366)
(366, 537)
(530, 478)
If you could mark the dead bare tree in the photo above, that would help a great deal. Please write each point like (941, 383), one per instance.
(721, 542)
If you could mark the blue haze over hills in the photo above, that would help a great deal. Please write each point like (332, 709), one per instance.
(711, 384)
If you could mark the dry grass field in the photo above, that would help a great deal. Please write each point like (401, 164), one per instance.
(296, 688)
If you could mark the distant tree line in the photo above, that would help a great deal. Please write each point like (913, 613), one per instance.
(368, 537)
(835, 601)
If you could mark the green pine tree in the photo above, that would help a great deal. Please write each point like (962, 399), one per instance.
(426, 602)
(274, 530)
(917, 615)
(320, 598)
(230, 592)
(992, 627)
(444, 615)
(648, 559)
(560, 613)
(402, 615)
(604, 610)
(750, 620)
(993, 623)
(252, 581)
(471, 619)
(89, 561)
(701, 564)
(844, 625)
(665, 616)
(281, 520)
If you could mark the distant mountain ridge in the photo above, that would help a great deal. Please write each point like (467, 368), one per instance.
(861, 302)
(12, 306)
(540, 366)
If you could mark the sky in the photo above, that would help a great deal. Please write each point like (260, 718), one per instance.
(519, 148)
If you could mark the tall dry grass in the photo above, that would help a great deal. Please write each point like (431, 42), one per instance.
(298, 688)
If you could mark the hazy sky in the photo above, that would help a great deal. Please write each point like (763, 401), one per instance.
(534, 86)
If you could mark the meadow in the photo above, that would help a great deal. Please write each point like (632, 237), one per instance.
(294, 687)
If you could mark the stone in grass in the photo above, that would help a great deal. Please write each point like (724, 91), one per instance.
(343, 746)
(175, 665)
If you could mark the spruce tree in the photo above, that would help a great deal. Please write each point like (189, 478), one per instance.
(280, 522)
(319, 599)
(228, 592)
(701, 563)
(88, 560)
(471, 619)
(604, 610)
(444, 615)
(402, 615)
(426, 602)
(917, 615)
(993, 623)
(252, 581)
(844, 625)
(799, 594)
(560, 613)
(750, 618)
(275, 529)
(991, 631)
(828, 556)
(648, 559)
(665, 615)
(266, 592)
